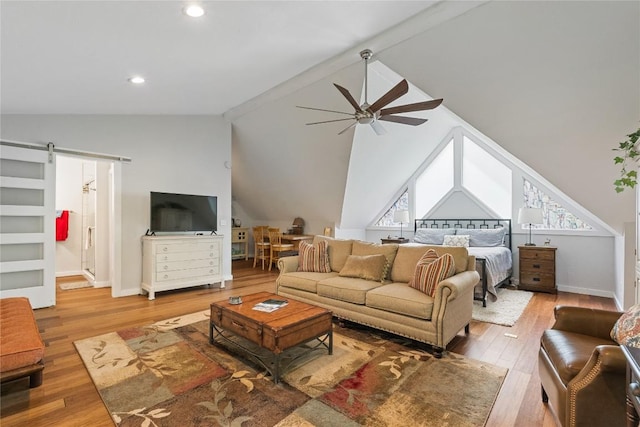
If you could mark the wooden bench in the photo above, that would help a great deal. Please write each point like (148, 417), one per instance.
(21, 347)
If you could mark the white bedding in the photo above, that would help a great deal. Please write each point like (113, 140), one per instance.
(499, 266)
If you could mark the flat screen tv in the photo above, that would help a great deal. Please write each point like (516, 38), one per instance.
(172, 212)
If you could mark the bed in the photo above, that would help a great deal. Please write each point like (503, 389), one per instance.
(489, 241)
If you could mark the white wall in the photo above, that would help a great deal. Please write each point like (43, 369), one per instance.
(169, 153)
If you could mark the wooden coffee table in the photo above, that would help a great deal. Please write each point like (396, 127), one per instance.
(283, 329)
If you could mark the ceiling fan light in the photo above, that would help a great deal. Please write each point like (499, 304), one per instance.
(365, 120)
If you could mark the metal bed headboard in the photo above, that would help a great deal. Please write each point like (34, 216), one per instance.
(466, 223)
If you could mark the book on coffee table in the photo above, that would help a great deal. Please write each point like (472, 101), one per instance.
(270, 305)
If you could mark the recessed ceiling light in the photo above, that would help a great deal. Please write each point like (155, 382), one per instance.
(138, 80)
(194, 11)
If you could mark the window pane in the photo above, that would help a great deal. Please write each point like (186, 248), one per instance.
(554, 215)
(402, 204)
(486, 178)
(435, 181)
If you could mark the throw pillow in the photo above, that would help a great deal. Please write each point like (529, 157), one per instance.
(456, 240)
(432, 270)
(432, 236)
(368, 267)
(313, 257)
(626, 330)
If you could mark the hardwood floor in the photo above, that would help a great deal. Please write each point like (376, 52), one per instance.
(67, 396)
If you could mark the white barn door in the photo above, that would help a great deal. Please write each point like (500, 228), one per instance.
(27, 224)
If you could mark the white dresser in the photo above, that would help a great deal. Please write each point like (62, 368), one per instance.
(174, 262)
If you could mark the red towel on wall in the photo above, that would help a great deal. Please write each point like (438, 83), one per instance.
(62, 226)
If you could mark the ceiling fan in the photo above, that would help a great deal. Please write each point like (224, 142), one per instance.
(371, 114)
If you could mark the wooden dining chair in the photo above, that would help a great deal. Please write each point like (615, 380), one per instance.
(276, 247)
(261, 245)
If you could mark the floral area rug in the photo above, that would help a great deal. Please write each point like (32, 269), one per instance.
(167, 374)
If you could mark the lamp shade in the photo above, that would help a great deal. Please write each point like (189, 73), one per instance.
(401, 216)
(530, 216)
(298, 222)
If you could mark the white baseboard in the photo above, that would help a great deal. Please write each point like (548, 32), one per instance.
(68, 273)
(103, 284)
(586, 291)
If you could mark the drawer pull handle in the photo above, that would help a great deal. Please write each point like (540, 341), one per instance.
(536, 279)
(634, 388)
(239, 325)
(166, 267)
(166, 276)
(164, 249)
(536, 265)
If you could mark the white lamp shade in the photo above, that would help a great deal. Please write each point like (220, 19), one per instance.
(401, 216)
(530, 216)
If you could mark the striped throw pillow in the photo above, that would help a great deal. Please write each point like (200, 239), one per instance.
(314, 257)
(431, 270)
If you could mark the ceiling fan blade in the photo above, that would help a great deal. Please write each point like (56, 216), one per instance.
(413, 121)
(418, 106)
(322, 109)
(347, 95)
(378, 128)
(347, 128)
(396, 92)
(329, 121)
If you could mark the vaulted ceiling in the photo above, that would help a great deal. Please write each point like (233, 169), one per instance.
(554, 83)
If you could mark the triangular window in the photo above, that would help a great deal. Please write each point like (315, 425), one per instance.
(401, 204)
(554, 215)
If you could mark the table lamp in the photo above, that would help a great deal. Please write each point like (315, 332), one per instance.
(530, 216)
(401, 217)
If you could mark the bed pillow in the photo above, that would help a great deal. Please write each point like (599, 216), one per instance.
(432, 236)
(313, 257)
(368, 267)
(488, 237)
(431, 270)
(456, 240)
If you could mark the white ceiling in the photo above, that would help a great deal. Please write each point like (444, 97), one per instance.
(75, 57)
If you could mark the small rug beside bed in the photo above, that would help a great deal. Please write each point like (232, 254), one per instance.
(506, 310)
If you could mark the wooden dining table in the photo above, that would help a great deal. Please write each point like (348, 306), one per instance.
(295, 239)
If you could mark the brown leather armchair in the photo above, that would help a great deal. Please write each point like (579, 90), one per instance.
(582, 370)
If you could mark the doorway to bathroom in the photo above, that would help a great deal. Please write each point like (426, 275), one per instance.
(84, 189)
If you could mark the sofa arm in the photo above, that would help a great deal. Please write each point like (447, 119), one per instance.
(586, 321)
(596, 396)
(288, 264)
(457, 284)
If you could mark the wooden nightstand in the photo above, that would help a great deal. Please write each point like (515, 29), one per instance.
(538, 268)
(399, 240)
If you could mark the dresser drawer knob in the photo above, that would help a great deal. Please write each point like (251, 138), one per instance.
(164, 249)
(536, 265)
(634, 389)
(536, 279)
(166, 276)
(166, 267)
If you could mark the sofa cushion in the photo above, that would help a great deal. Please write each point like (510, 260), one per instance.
(346, 289)
(365, 248)
(313, 257)
(569, 351)
(431, 270)
(402, 299)
(408, 255)
(456, 240)
(432, 236)
(368, 267)
(303, 280)
(338, 250)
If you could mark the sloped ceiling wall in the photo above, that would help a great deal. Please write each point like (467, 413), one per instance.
(554, 83)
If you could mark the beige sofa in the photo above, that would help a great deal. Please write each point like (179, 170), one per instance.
(391, 304)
